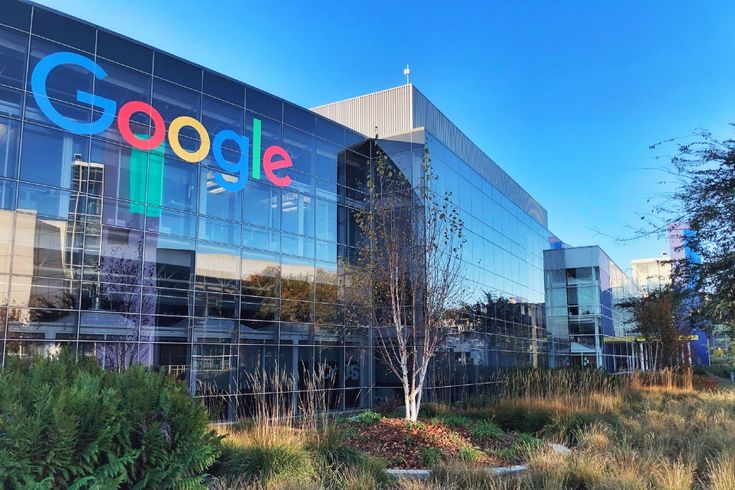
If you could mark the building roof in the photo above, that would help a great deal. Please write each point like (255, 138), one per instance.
(402, 109)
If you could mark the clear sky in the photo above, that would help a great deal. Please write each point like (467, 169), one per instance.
(567, 97)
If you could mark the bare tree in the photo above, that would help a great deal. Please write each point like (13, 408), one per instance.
(408, 270)
(120, 269)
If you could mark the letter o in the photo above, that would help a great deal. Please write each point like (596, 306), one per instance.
(123, 125)
(173, 139)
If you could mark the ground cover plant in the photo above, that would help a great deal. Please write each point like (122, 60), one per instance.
(432, 440)
(70, 424)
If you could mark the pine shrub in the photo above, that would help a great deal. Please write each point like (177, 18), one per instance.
(68, 424)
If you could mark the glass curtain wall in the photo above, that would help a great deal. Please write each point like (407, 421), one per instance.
(501, 320)
(131, 256)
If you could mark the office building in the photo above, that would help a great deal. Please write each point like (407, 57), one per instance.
(156, 212)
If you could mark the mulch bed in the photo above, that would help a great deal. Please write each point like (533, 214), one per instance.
(403, 444)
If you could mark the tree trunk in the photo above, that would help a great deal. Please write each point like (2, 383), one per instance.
(411, 400)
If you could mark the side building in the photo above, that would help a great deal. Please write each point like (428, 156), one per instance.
(584, 289)
(651, 273)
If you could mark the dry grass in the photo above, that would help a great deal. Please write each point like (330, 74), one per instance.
(635, 434)
(722, 472)
(626, 434)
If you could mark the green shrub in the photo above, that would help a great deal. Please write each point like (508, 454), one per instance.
(430, 456)
(266, 462)
(568, 425)
(329, 445)
(454, 420)
(528, 442)
(432, 410)
(64, 423)
(487, 429)
(468, 453)
(521, 419)
(368, 417)
(507, 453)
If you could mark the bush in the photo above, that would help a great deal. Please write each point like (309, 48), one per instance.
(368, 417)
(487, 429)
(329, 445)
(432, 410)
(267, 462)
(430, 456)
(570, 425)
(517, 418)
(454, 420)
(468, 453)
(64, 423)
(704, 383)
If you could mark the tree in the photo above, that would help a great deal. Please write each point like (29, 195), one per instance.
(705, 199)
(657, 318)
(408, 270)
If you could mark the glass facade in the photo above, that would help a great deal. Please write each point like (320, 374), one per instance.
(139, 256)
(131, 255)
(502, 321)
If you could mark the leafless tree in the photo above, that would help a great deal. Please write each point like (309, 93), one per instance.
(408, 270)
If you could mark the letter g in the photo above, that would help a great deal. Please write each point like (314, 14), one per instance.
(38, 85)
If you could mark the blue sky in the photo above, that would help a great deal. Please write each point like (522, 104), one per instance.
(566, 96)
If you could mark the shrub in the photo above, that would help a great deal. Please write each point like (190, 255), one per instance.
(329, 445)
(454, 420)
(570, 425)
(506, 453)
(528, 441)
(66, 422)
(487, 429)
(368, 417)
(468, 453)
(266, 462)
(512, 417)
(704, 383)
(432, 409)
(430, 456)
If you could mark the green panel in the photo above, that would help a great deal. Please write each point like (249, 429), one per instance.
(146, 166)
(256, 148)
(155, 181)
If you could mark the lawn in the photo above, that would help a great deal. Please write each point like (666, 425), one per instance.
(661, 431)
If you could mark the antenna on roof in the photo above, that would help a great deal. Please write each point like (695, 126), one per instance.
(407, 72)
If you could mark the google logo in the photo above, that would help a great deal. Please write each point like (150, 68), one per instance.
(274, 158)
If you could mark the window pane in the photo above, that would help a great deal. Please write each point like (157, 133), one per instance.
(9, 136)
(297, 214)
(13, 52)
(217, 115)
(261, 204)
(300, 147)
(63, 83)
(260, 273)
(16, 14)
(123, 51)
(263, 104)
(49, 154)
(224, 89)
(43, 200)
(177, 71)
(216, 201)
(63, 29)
(180, 185)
